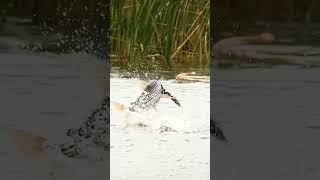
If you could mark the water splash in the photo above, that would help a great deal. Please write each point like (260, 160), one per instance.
(167, 117)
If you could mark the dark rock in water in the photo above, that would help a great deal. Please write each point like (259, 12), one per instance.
(216, 131)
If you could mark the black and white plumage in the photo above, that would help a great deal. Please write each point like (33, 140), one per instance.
(95, 130)
(150, 97)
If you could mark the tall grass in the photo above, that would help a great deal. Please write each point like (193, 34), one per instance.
(160, 30)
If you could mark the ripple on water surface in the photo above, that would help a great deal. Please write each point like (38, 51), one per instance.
(169, 142)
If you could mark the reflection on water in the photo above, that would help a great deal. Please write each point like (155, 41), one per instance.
(168, 143)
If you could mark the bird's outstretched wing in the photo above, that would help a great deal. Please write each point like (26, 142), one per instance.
(168, 95)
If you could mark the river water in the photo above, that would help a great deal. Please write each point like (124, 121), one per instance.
(45, 94)
(269, 115)
(141, 148)
(271, 118)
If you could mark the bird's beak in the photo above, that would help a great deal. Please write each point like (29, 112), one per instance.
(176, 101)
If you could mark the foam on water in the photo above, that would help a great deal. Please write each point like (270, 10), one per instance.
(192, 116)
(170, 142)
(143, 152)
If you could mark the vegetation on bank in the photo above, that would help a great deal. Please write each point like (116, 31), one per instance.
(146, 32)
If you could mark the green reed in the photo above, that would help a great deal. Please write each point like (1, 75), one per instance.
(161, 30)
